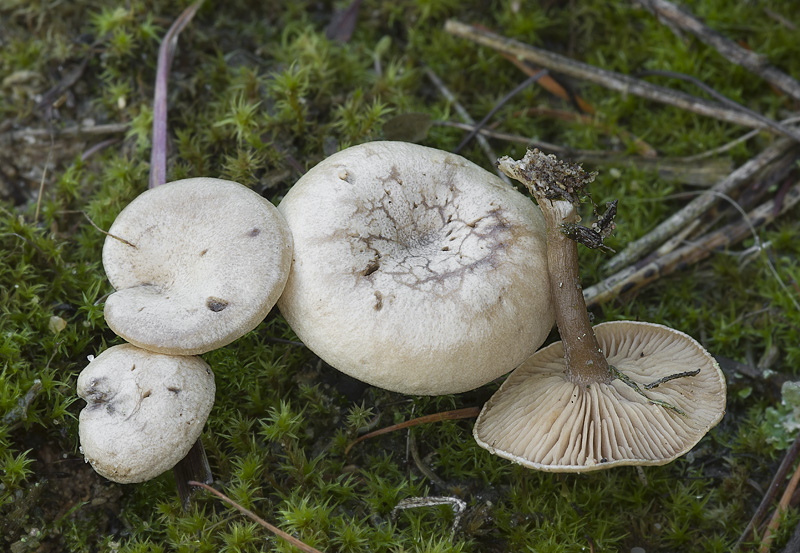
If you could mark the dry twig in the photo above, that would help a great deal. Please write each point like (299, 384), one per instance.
(783, 505)
(73, 130)
(636, 276)
(734, 53)
(698, 206)
(777, 480)
(609, 79)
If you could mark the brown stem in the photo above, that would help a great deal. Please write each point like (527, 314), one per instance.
(557, 186)
(585, 360)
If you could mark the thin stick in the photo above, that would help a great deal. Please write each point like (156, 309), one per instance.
(252, 516)
(698, 206)
(73, 130)
(636, 276)
(681, 169)
(786, 131)
(466, 413)
(751, 61)
(609, 79)
(777, 480)
(158, 153)
(783, 505)
(86, 215)
(503, 101)
(467, 118)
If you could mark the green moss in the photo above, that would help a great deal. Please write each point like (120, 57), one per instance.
(258, 94)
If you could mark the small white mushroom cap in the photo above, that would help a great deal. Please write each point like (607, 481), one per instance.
(208, 260)
(144, 411)
(541, 420)
(414, 269)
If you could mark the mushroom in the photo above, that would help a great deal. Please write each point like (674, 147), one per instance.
(144, 411)
(196, 264)
(414, 269)
(621, 393)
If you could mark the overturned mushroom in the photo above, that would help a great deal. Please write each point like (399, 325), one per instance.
(144, 411)
(414, 269)
(196, 264)
(623, 393)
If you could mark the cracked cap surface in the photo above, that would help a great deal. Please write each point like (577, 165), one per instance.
(414, 269)
(542, 421)
(144, 411)
(209, 259)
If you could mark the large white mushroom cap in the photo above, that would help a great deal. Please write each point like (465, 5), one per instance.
(414, 269)
(206, 260)
(144, 411)
(541, 420)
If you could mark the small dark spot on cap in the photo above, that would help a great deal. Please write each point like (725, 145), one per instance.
(133, 367)
(216, 304)
(173, 389)
(254, 232)
(378, 301)
(147, 394)
(371, 268)
(202, 253)
(446, 249)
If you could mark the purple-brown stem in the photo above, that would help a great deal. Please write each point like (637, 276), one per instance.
(158, 153)
(585, 360)
(554, 184)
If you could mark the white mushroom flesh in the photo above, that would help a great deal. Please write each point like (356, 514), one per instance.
(205, 261)
(541, 420)
(414, 269)
(144, 411)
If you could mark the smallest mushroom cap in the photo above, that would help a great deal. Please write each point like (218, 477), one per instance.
(144, 411)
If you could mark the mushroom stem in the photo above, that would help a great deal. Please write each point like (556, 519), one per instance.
(554, 185)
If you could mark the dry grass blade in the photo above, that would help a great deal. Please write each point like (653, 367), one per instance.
(158, 154)
(730, 50)
(467, 118)
(609, 79)
(254, 517)
(503, 101)
(698, 206)
(466, 413)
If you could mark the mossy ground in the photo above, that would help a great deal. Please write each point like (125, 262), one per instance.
(257, 95)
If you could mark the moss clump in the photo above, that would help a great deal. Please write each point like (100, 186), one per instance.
(258, 94)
